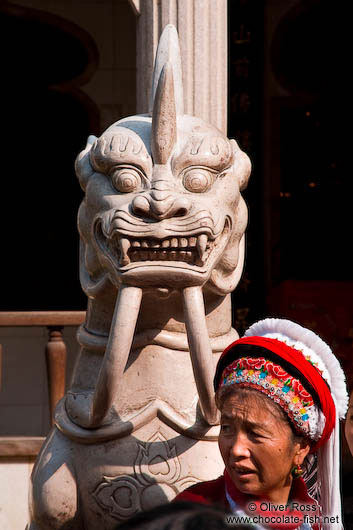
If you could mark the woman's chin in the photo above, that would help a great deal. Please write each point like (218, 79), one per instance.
(246, 483)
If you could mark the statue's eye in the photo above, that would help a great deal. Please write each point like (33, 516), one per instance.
(198, 180)
(126, 180)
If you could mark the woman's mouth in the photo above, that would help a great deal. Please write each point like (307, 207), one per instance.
(243, 472)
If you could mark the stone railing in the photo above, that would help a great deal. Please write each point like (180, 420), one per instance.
(55, 356)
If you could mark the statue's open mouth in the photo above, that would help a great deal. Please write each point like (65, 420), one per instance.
(193, 250)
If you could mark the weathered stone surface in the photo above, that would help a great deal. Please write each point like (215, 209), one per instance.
(162, 246)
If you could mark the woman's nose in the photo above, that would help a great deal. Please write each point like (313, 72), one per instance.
(239, 446)
(161, 205)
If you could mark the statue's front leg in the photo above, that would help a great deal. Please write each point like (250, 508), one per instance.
(53, 488)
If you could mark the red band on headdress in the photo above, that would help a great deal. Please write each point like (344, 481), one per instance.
(311, 374)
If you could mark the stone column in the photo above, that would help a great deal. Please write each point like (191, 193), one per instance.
(202, 28)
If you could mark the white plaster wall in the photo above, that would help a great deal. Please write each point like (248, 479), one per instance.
(14, 481)
(24, 402)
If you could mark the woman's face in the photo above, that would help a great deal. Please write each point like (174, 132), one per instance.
(349, 425)
(257, 447)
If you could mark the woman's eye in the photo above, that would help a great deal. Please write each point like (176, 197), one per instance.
(198, 180)
(126, 180)
(226, 428)
(255, 434)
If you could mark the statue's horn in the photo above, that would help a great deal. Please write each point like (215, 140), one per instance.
(164, 126)
(168, 51)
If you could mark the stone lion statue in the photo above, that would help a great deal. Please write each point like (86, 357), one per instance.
(162, 246)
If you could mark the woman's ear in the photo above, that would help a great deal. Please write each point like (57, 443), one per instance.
(301, 450)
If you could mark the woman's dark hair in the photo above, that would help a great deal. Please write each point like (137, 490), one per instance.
(180, 515)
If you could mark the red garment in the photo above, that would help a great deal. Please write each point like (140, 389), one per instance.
(210, 492)
(214, 492)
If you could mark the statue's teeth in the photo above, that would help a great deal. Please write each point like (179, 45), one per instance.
(124, 247)
(201, 246)
(171, 249)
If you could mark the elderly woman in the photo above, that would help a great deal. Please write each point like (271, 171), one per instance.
(281, 393)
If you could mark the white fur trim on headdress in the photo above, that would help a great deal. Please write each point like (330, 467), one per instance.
(312, 346)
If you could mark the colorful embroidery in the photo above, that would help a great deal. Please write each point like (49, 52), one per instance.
(274, 381)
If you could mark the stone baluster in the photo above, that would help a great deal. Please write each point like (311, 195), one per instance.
(55, 353)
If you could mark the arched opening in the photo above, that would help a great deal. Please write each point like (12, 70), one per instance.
(45, 122)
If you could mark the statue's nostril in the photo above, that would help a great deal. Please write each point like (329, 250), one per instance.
(140, 205)
(181, 207)
(139, 211)
(180, 212)
(159, 207)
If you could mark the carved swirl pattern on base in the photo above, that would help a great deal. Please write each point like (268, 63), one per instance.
(157, 478)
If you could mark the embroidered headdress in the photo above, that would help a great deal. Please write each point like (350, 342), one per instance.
(301, 374)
